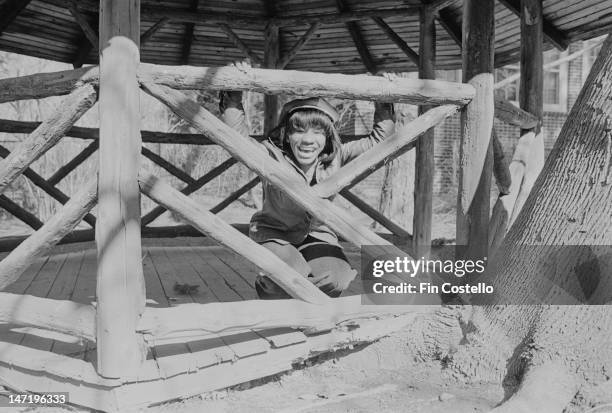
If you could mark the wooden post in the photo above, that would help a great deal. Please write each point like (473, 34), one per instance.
(531, 91)
(476, 154)
(271, 60)
(120, 282)
(424, 160)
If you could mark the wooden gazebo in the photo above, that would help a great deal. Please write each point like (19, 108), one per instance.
(184, 45)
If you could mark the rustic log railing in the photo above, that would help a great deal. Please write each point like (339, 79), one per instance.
(156, 82)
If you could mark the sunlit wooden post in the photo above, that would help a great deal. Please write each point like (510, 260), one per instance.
(476, 153)
(120, 281)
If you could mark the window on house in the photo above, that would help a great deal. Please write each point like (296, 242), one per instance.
(555, 82)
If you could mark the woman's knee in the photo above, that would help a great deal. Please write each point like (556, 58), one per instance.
(290, 255)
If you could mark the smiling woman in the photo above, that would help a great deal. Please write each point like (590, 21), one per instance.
(307, 141)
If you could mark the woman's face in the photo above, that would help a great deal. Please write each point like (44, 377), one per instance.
(307, 145)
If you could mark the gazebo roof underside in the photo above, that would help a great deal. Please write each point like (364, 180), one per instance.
(191, 31)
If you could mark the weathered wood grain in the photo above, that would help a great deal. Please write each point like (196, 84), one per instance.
(299, 44)
(475, 153)
(63, 316)
(260, 314)
(353, 171)
(47, 134)
(120, 285)
(425, 149)
(360, 87)
(48, 235)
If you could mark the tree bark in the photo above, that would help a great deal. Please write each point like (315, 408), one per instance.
(554, 350)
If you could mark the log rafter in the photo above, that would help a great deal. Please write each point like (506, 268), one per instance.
(451, 26)
(399, 42)
(299, 44)
(240, 44)
(10, 10)
(189, 36)
(150, 32)
(552, 34)
(357, 36)
(83, 23)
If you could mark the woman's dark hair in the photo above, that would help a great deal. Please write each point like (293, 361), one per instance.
(302, 120)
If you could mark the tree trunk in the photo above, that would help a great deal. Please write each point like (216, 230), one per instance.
(554, 351)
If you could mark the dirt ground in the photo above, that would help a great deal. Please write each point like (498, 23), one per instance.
(370, 379)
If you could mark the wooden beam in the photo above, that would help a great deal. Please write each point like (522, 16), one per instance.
(508, 112)
(237, 41)
(475, 153)
(147, 35)
(531, 92)
(235, 195)
(47, 134)
(501, 172)
(433, 6)
(354, 171)
(16, 126)
(120, 286)
(223, 318)
(188, 37)
(66, 317)
(299, 44)
(199, 183)
(399, 42)
(356, 87)
(87, 235)
(502, 211)
(553, 35)
(173, 170)
(452, 28)
(45, 237)
(81, 157)
(256, 157)
(20, 213)
(271, 59)
(205, 221)
(50, 189)
(424, 156)
(81, 20)
(355, 32)
(9, 12)
(375, 215)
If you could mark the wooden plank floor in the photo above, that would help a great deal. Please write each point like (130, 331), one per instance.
(220, 275)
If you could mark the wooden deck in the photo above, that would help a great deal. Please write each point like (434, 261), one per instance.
(69, 273)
